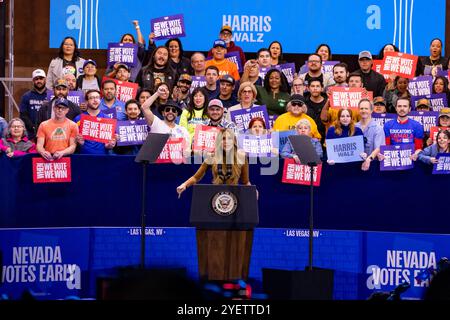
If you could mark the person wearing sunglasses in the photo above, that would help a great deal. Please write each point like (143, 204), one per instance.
(296, 110)
(170, 111)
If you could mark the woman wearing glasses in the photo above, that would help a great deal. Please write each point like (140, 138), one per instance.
(302, 127)
(16, 142)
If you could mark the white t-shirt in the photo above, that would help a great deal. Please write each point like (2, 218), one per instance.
(160, 126)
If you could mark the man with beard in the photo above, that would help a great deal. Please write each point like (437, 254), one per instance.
(225, 66)
(157, 70)
(32, 101)
(93, 109)
(216, 116)
(170, 110)
(181, 91)
(340, 75)
(110, 105)
(372, 80)
(71, 81)
(123, 72)
(61, 90)
(315, 71)
(56, 136)
(226, 91)
(404, 130)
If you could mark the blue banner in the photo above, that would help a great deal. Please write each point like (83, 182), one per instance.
(50, 263)
(94, 23)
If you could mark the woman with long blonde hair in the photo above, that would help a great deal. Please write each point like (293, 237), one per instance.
(227, 163)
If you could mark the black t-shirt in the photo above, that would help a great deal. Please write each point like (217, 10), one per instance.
(314, 110)
(308, 78)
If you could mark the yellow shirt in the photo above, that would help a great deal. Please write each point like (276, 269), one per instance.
(287, 122)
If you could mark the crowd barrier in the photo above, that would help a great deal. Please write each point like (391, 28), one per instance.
(106, 191)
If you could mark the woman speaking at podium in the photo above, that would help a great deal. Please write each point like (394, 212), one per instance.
(228, 164)
(223, 252)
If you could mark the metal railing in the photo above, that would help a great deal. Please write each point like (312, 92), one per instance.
(7, 84)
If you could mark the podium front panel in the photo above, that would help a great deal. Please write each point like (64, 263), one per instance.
(224, 207)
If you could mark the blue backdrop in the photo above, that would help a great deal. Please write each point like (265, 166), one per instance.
(348, 26)
(106, 191)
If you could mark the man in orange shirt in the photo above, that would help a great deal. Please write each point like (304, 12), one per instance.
(219, 51)
(56, 136)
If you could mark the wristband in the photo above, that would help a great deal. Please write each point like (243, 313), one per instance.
(137, 27)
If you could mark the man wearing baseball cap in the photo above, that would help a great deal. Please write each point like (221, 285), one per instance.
(32, 101)
(226, 34)
(122, 72)
(216, 115)
(226, 91)
(225, 66)
(379, 105)
(181, 91)
(444, 117)
(89, 80)
(60, 90)
(372, 80)
(423, 105)
(56, 136)
(295, 110)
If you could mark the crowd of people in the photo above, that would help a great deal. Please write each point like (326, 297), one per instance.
(169, 102)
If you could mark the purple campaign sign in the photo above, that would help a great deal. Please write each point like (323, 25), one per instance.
(272, 119)
(437, 101)
(327, 67)
(442, 73)
(427, 119)
(122, 53)
(443, 166)
(168, 27)
(256, 146)
(263, 71)
(76, 97)
(197, 82)
(242, 117)
(132, 132)
(235, 58)
(382, 118)
(397, 157)
(288, 69)
(420, 86)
